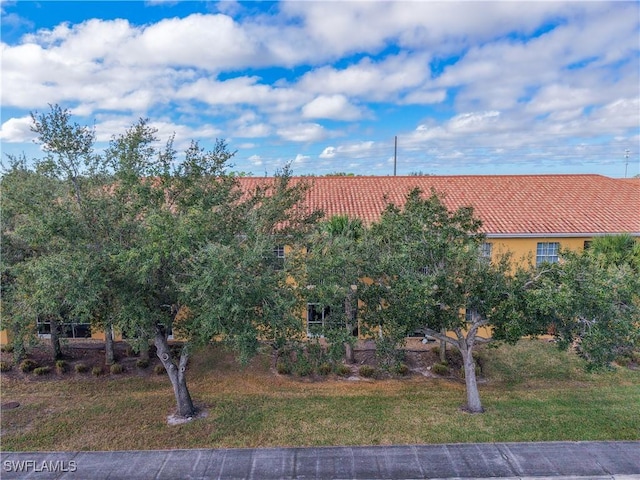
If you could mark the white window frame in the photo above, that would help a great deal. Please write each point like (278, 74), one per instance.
(486, 250)
(547, 252)
(324, 314)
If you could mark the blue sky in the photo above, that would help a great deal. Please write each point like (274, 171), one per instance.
(467, 87)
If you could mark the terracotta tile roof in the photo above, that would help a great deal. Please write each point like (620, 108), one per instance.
(518, 205)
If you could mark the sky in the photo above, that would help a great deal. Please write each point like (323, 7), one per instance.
(466, 88)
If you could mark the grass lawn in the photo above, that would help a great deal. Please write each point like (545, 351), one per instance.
(531, 392)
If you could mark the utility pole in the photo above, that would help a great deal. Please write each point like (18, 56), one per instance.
(626, 163)
(395, 155)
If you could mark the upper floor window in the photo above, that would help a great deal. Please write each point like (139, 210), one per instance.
(547, 252)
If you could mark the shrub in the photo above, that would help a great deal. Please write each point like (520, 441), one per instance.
(5, 366)
(61, 366)
(343, 370)
(324, 369)
(96, 371)
(8, 348)
(39, 371)
(159, 369)
(367, 371)
(142, 363)
(623, 361)
(27, 365)
(116, 369)
(81, 368)
(402, 369)
(303, 367)
(283, 367)
(440, 369)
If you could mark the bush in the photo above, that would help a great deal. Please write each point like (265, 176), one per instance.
(343, 370)
(39, 371)
(440, 369)
(367, 371)
(96, 371)
(283, 367)
(8, 348)
(159, 369)
(142, 363)
(5, 366)
(325, 369)
(303, 367)
(61, 366)
(27, 366)
(402, 369)
(116, 369)
(81, 368)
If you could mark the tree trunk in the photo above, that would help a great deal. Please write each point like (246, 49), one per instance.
(473, 396)
(348, 353)
(443, 348)
(348, 310)
(144, 349)
(55, 338)
(176, 375)
(109, 356)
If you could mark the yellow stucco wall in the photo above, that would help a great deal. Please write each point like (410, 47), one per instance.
(523, 250)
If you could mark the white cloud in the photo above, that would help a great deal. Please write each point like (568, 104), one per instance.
(302, 132)
(17, 130)
(256, 160)
(335, 107)
(328, 152)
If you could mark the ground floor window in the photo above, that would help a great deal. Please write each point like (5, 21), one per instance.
(317, 316)
(65, 329)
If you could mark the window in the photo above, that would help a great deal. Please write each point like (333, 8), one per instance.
(587, 244)
(547, 252)
(316, 318)
(278, 253)
(65, 329)
(485, 250)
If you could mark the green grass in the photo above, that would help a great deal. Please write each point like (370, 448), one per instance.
(532, 392)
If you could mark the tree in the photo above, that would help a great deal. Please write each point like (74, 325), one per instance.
(590, 300)
(327, 273)
(428, 273)
(116, 238)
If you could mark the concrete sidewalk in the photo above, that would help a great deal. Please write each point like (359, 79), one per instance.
(558, 460)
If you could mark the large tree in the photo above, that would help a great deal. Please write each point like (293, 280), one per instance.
(589, 300)
(137, 236)
(428, 273)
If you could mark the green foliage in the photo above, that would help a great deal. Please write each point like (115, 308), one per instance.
(325, 368)
(589, 302)
(41, 371)
(440, 369)
(5, 366)
(343, 370)
(81, 368)
(97, 371)
(27, 365)
(283, 367)
(366, 371)
(159, 369)
(61, 366)
(116, 369)
(402, 369)
(7, 348)
(142, 363)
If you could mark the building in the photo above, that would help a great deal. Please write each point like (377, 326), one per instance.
(532, 216)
